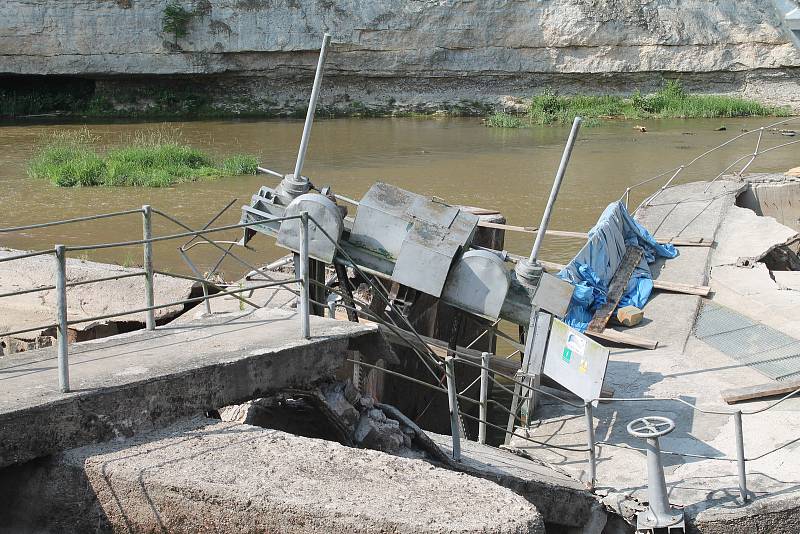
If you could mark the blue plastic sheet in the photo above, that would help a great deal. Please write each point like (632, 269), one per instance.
(591, 270)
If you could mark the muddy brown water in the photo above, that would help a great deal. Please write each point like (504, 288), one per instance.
(459, 160)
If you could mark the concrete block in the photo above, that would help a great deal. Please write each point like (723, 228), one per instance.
(629, 315)
(209, 476)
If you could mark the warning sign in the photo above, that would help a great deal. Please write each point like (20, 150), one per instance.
(575, 361)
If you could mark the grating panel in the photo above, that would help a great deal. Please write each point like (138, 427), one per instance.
(765, 349)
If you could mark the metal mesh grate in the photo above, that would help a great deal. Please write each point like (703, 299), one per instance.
(765, 349)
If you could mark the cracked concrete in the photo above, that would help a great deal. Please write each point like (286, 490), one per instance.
(696, 373)
(227, 477)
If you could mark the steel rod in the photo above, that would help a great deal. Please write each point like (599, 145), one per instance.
(71, 284)
(305, 329)
(484, 405)
(452, 403)
(591, 444)
(147, 236)
(562, 169)
(67, 221)
(312, 107)
(740, 458)
(61, 310)
(200, 233)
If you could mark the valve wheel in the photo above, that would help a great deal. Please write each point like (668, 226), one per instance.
(653, 426)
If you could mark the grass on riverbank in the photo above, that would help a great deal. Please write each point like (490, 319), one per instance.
(152, 159)
(672, 101)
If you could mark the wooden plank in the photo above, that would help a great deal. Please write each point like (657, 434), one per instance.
(673, 287)
(678, 241)
(677, 287)
(624, 338)
(772, 389)
(633, 255)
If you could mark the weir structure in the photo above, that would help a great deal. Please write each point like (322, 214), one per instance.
(396, 237)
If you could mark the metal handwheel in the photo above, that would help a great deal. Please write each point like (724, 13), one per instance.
(653, 426)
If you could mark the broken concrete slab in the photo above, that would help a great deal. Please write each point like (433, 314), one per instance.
(83, 301)
(561, 498)
(696, 373)
(231, 478)
(745, 237)
(144, 380)
(774, 195)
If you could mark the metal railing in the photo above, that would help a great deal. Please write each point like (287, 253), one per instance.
(675, 172)
(60, 253)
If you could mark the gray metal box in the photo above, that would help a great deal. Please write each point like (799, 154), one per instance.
(421, 235)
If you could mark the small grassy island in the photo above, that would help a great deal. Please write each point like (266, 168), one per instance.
(671, 101)
(151, 159)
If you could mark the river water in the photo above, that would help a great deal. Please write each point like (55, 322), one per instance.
(459, 160)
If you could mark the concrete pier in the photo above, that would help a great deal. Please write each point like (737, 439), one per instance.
(142, 381)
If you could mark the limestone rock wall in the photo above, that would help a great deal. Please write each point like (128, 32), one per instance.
(501, 42)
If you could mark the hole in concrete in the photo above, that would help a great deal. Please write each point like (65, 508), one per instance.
(46, 338)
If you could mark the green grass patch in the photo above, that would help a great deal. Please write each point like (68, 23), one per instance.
(150, 159)
(671, 101)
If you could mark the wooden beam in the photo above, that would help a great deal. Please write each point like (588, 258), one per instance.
(677, 241)
(619, 282)
(624, 338)
(772, 389)
(677, 287)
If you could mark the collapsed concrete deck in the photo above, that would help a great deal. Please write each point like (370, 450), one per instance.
(143, 381)
(683, 366)
(204, 475)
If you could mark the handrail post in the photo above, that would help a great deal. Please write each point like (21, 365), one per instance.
(484, 400)
(147, 235)
(591, 444)
(61, 308)
(740, 459)
(305, 327)
(452, 401)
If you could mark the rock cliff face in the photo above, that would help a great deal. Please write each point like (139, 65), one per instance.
(409, 53)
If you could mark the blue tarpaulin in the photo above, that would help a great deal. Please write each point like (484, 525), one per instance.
(591, 270)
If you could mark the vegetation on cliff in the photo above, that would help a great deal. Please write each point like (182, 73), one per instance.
(154, 159)
(672, 101)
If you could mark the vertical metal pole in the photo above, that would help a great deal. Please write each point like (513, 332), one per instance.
(452, 401)
(147, 234)
(305, 327)
(656, 484)
(627, 197)
(562, 169)
(740, 460)
(332, 309)
(61, 308)
(483, 413)
(312, 106)
(591, 443)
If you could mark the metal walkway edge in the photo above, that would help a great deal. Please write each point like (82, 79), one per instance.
(756, 345)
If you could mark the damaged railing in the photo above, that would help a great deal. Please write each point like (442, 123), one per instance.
(443, 371)
(148, 272)
(675, 172)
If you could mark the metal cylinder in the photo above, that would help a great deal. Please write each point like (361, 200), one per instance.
(656, 483)
(305, 326)
(562, 169)
(147, 234)
(312, 107)
(61, 310)
(591, 444)
(452, 401)
(740, 459)
(483, 414)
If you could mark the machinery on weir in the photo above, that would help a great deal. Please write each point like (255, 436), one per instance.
(419, 242)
